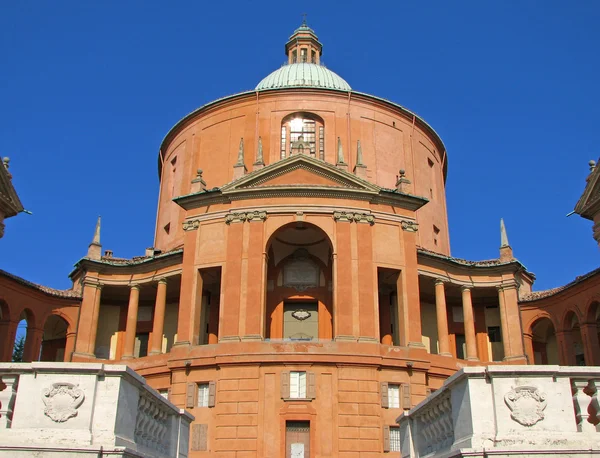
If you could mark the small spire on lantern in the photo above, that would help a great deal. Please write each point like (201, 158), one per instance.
(506, 253)
(95, 248)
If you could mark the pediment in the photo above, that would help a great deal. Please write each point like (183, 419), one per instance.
(589, 202)
(300, 171)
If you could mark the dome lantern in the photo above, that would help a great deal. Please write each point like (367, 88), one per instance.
(304, 46)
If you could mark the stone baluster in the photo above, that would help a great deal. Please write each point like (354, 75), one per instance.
(581, 402)
(595, 402)
(7, 399)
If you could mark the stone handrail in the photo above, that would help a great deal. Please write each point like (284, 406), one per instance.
(507, 410)
(50, 408)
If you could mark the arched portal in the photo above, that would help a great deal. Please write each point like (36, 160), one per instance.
(54, 339)
(23, 350)
(545, 345)
(572, 326)
(299, 284)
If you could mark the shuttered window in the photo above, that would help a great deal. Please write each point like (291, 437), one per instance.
(200, 395)
(394, 439)
(298, 385)
(393, 396)
(203, 395)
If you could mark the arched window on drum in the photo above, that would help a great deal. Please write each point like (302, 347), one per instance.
(303, 133)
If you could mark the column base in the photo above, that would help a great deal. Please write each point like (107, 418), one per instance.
(252, 338)
(472, 358)
(447, 355)
(514, 358)
(419, 345)
(155, 352)
(230, 339)
(126, 357)
(346, 339)
(83, 355)
(368, 339)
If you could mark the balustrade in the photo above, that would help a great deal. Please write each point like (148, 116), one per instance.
(509, 411)
(63, 408)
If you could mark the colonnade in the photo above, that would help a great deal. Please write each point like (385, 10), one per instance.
(90, 315)
(509, 318)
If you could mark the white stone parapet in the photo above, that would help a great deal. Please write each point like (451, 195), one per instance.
(507, 411)
(86, 409)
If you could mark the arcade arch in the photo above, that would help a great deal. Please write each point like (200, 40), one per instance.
(54, 339)
(545, 344)
(299, 291)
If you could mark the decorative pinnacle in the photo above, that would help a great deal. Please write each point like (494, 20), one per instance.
(96, 239)
(240, 159)
(259, 154)
(359, 156)
(5, 161)
(592, 165)
(340, 152)
(503, 236)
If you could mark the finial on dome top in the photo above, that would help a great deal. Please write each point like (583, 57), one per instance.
(304, 19)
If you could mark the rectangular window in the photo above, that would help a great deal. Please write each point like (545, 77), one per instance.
(494, 334)
(394, 396)
(394, 439)
(321, 143)
(164, 393)
(436, 233)
(297, 385)
(313, 58)
(203, 395)
(294, 56)
(283, 135)
(303, 55)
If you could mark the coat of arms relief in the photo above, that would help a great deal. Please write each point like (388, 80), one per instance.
(62, 401)
(526, 404)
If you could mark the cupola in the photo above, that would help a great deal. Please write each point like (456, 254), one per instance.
(304, 46)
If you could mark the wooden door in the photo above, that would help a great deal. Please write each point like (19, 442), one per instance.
(297, 439)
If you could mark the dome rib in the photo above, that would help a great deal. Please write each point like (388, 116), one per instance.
(303, 75)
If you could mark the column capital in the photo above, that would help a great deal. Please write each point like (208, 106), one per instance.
(439, 281)
(466, 288)
(162, 280)
(92, 283)
(134, 286)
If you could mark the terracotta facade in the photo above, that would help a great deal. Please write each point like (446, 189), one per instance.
(300, 284)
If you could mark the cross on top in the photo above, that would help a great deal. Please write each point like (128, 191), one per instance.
(303, 18)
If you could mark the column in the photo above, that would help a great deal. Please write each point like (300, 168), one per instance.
(469, 324)
(591, 346)
(503, 322)
(95, 321)
(510, 318)
(8, 332)
(528, 340)
(33, 344)
(187, 293)
(409, 293)
(130, 329)
(83, 347)
(442, 318)
(159, 317)
(69, 346)
(564, 339)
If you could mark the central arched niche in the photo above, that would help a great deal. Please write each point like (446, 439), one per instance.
(299, 284)
(302, 133)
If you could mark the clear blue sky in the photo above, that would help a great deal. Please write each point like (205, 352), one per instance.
(89, 89)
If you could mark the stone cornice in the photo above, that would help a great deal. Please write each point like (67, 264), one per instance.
(256, 213)
(144, 265)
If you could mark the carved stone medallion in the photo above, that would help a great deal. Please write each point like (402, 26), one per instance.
(62, 401)
(526, 404)
(301, 314)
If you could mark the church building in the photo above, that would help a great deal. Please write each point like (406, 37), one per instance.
(300, 292)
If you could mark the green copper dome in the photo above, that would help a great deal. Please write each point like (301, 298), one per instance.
(303, 74)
